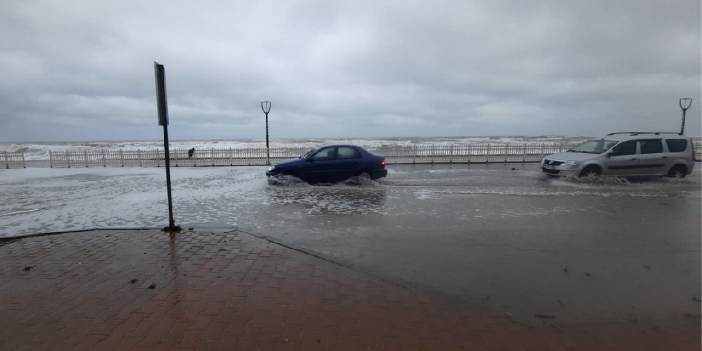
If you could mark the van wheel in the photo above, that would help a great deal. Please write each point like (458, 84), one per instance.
(678, 171)
(590, 171)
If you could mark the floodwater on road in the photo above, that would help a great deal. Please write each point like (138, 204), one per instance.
(506, 236)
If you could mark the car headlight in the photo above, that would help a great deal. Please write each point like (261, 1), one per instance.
(570, 164)
(271, 168)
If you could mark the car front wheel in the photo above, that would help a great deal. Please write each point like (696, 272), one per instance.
(590, 171)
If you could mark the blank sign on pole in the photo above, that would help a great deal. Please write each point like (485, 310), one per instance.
(163, 121)
(161, 94)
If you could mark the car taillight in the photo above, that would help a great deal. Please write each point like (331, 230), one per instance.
(382, 164)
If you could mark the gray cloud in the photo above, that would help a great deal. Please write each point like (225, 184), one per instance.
(82, 70)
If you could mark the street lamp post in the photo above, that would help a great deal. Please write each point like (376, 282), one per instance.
(266, 107)
(685, 103)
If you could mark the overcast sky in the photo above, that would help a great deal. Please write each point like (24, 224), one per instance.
(83, 70)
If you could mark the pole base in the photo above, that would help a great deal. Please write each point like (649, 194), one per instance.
(173, 229)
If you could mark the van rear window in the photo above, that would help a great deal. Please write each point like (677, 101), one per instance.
(652, 146)
(676, 145)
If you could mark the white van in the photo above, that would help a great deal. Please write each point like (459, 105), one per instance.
(625, 154)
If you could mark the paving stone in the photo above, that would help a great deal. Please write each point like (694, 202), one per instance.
(227, 291)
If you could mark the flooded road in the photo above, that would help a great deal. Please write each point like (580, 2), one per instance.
(611, 250)
(505, 236)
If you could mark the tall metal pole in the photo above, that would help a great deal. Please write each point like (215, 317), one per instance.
(682, 125)
(163, 120)
(171, 222)
(685, 103)
(266, 108)
(268, 149)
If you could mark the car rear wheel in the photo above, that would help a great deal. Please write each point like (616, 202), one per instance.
(677, 172)
(361, 178)
(590, 171)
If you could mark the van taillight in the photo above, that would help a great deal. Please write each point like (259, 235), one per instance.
(382, 164)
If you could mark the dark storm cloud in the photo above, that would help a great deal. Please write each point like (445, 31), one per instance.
(82, 70)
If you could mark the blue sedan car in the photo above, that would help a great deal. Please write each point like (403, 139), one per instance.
(330, 164)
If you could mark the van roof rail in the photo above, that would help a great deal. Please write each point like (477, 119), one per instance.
(637, 133)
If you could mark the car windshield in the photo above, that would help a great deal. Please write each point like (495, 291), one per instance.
(308, 153)
(594, 146)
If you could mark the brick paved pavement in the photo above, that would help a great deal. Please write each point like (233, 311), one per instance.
(140, 290)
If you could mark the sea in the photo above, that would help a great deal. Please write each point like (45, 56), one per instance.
(39, 151)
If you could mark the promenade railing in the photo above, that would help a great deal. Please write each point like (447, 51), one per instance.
(12, 160)
(394, 154)
(179, 157)
(463, 153)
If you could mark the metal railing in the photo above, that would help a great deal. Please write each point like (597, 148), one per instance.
(12, 160)
(179, 157)
(416, 154)
(394, 154)
(468, 153)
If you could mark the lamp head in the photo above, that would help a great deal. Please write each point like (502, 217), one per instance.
(266, 106)
(685, 103)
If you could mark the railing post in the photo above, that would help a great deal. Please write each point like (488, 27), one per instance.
(212, 156)
(7, 162)
(141, 163)
(487, 154)
(68, 159)
(230, 156)
(121, 156)
(431, 152)
(524, 153)
(104, 161)
(51, 159)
